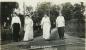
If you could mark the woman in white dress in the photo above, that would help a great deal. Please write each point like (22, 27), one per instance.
(46, 25)
(28, 28)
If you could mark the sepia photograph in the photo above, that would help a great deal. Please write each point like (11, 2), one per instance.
(42, 24)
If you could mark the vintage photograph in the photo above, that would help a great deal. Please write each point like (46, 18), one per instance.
(42, 24)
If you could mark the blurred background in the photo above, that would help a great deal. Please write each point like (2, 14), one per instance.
(74, 15)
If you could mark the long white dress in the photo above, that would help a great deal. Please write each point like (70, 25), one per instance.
(28, 27)
(46, 25)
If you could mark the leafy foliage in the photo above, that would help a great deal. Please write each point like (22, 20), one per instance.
(67, 10)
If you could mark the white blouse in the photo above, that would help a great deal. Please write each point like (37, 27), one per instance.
(60, 21)
(15, 20)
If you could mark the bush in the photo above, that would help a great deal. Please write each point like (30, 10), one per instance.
(75, 27)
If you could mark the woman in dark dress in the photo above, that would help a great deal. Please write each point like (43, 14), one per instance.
(15, 25)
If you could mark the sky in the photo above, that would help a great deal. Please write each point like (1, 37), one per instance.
(34, 3)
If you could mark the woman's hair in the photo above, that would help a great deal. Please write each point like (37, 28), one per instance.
(14, 13)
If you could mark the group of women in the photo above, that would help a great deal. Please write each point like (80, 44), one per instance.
(28, 27)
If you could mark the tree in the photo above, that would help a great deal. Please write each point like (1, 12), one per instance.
(82, 7)
(50, 10)
(78, 11)
(78, 14)
(54, 12)
(67, 10)
(43, 8)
